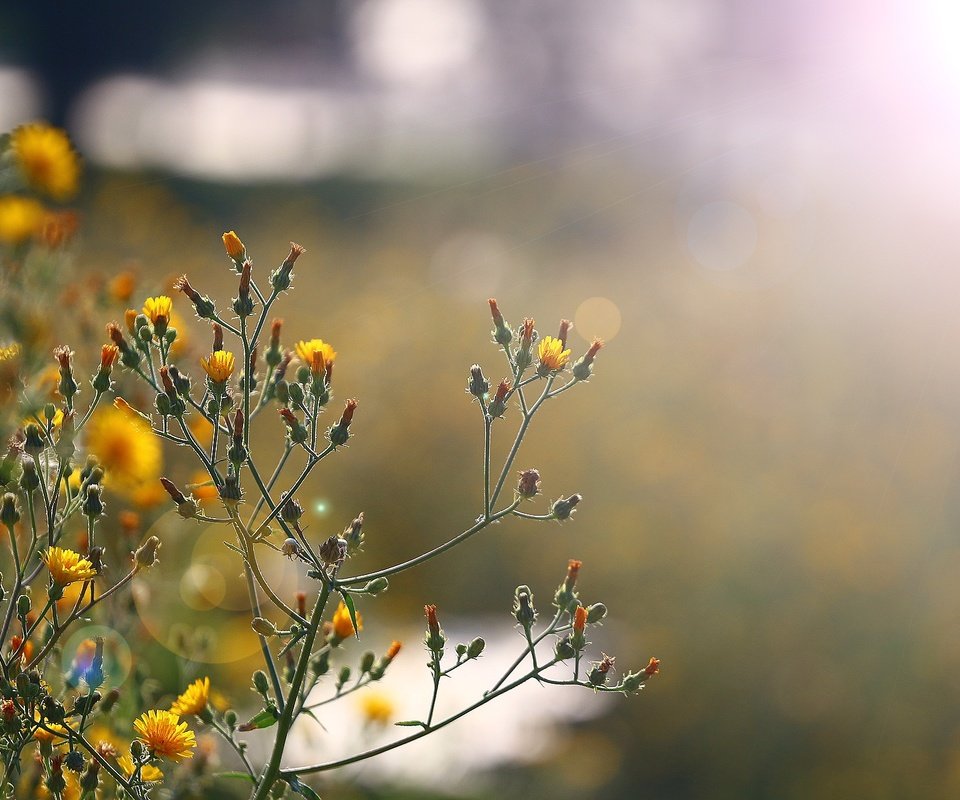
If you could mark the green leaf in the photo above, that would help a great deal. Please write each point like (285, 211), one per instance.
(348, 602)
(411, 723)
(302, 789)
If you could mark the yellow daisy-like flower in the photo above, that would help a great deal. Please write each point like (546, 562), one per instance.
(46, 159)
(148, 772)
(54, 732)
(128, 451)
(377, 707)
(551, 353)
(20, 218)
(66, 566)
(156, 307)
(343, 625)
(316, 354)
(219, 366)
(233, 245)
(165, 734)
(194, 698)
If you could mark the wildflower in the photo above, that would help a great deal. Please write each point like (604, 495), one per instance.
(393, 650)
(66, 566)
(478, 386)
(551, 354)
(121, 286)
(194, 699)
(46, 160)
(164, 734)
(129, 452)
(316, 354)
(202, 305)
(653, 667)
(219, 366)
(499, 403)
(20, 218)
(343, 625)
(377, 707)
(158, 310)
(148, 772)
(578, 639)
(233, 246)
(145, 556)
(280, 278)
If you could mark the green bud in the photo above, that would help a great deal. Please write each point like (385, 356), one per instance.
(93, 502)
(377, 586)
(23, 605)
(9, 514)
(230, 717)
(366, 662)
(564, 649)
(260, 682)
(343, 677)
(596, 612)
(476, 647)
(170, 335)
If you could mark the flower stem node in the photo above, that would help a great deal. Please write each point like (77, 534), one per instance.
(564, 507)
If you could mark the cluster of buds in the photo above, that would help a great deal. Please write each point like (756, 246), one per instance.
(353, 534)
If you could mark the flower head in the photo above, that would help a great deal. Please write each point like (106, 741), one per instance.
(164, 734)
(194, 698)
(343, 625)
(157, 308)
(128, 451)
(66, 566)
(20, 218)
(46, 160)
(316, 354)
(551, 353)
(233, 245)
(219, 366)
(653, 667)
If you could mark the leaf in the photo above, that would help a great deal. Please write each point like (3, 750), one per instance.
(348, 602)
(411, 723)
(302, 789)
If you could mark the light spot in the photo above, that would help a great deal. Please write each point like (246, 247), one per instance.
(597, 317)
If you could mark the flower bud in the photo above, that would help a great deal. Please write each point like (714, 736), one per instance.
(280, 279)
(145, 556)
(529, 484)
(234, 247)
(502, 334)
(478, 386)
(435, 639)
(366, 662)
(90, 778)
(230, 717)
(109, 701)
(23, 605)
(260, 683)
(563, 508)
(291, 510)
(343, 677)
(202, 305)
(339, 433)
(29, 479)
(93, 502)
(74, 761)
(377, 586)
(9, 514)
(243, 304)
(578, 639)
(353, 533)
(595, 613)
(290, 547)
(633, 681)
(523, 608)
(584, 366)
(564, 648)
(333, 551)
(264, 627)
(33, 443)
(475, 648)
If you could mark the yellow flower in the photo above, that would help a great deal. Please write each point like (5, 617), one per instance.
(194, 698)
(66, 566)
(156, 307)
(54, 732)
(376, 707)
(551, 353)
(316, 354)
(233, 245)
(20, 218)
(219, 366)
(9, 352)
(40, 419)
(343, 625)
(148, 772)
(164, 734)
(128, 452)
(46, 159)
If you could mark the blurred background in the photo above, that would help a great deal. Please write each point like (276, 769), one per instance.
(753, 203)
